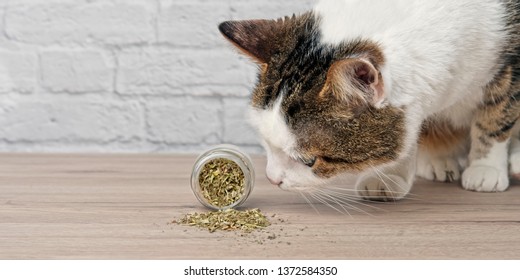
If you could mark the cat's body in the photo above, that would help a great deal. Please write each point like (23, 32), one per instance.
(364, 88)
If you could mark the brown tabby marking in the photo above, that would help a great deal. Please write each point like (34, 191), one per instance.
(343, 142)
(497, 115)
(442, 138)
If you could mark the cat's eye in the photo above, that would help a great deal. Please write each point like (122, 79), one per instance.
(309, 162)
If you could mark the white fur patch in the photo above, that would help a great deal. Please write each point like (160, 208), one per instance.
(488, 174)
(280, 143)
(271, 125)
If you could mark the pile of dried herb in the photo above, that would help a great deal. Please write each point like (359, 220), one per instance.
(221, 182)
(229, 220)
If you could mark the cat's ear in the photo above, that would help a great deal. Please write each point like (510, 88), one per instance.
(252, 37)
(356, 80)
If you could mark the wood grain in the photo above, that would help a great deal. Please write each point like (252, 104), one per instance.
(70, 206)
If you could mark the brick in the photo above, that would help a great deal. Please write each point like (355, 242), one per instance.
(70, 121)
(17, 72)
(237, 130)
(76, 72)
(185, 120)
(183, 71)
(2, 14)
(192, 23)
(195, 23)
(80, 22)
(248, 9)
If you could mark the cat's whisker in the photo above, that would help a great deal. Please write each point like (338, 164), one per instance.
(346, 200)
(309, 202)
(337, 192)
(404, 195)
(350, 199)
(345, 191)
(334, 200)
(384, 182)
(349, 196)
(340, 187)
(404, 189)
(349, 203)
(341, 191)
(354, 197)
(407, 196)
(393, 181)
(323, 201)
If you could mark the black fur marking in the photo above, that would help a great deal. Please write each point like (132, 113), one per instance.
(293, 109)
(480, 127)
(495, 101)
(515, 97)
(505, 129)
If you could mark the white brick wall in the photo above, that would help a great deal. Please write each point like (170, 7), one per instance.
(125, 75)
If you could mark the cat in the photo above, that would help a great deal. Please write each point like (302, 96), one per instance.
(382, 91)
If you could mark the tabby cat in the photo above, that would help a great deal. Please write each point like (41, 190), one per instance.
(385, 90)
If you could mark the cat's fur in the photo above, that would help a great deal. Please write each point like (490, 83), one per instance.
(382, 90)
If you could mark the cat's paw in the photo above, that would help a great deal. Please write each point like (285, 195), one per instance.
(385, 188)
(482, 178)
(442, 170)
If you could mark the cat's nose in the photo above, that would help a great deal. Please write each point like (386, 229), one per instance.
(276, 182)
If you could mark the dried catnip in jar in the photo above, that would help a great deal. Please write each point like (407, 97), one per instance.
(222, 177)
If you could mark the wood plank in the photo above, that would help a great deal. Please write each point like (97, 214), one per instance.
(73, 206)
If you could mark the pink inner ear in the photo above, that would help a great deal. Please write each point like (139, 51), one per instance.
(365, 75)
(369, 77)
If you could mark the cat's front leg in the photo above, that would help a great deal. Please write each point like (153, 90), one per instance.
(488, 169)
(491, 132)
(388, 183)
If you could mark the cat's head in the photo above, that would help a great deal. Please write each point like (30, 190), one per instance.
(320, 108)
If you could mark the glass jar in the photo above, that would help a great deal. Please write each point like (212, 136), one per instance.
(227, 152)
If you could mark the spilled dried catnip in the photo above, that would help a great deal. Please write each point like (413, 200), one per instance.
(229, 220)
(221, 182)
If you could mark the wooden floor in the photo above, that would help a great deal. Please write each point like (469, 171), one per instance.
(120, 206)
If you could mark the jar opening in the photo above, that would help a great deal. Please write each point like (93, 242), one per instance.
(221, 182)
(222, 177)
